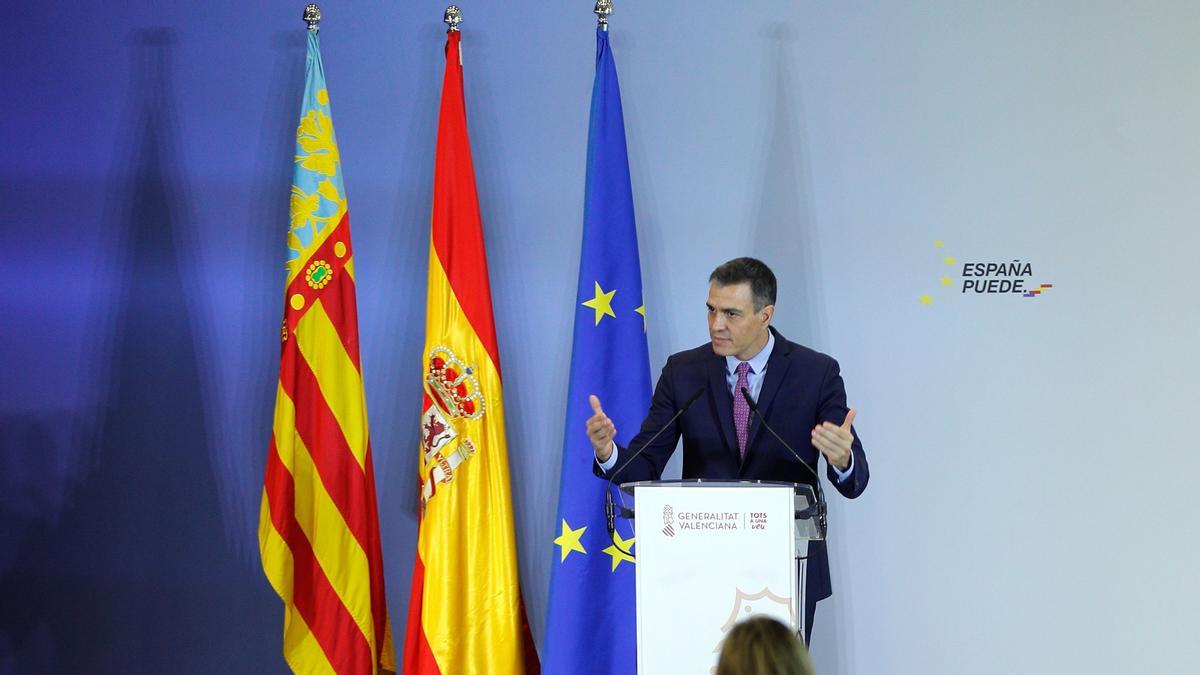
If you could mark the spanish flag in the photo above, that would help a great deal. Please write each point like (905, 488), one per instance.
(319, 526)
(465, 612)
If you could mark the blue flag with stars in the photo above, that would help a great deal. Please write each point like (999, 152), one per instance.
(590, 625)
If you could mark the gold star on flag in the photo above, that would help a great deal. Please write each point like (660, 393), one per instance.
(569, 540)
(602, 303)
(642, 310)
(617, 550)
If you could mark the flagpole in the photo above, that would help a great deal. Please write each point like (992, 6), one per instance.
(452, 17)
(312, 16)
(603, 9)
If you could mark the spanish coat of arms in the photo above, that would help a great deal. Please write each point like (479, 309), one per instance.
(451, 396)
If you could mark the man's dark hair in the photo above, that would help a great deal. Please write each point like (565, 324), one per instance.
(754, 271)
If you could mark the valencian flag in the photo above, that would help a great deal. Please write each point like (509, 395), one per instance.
(319, 525)
(465, 611)
(590, 627)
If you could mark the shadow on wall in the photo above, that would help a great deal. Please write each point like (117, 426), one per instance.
(239, 436)
(784, 228)
(785, 236)
(133, 574)
(398, 307)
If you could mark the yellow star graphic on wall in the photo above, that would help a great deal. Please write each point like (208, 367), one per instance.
(642, 310)
(569, 540)
(617, 550)
(602, 303)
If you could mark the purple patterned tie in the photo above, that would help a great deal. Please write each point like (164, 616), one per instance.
(741, 409)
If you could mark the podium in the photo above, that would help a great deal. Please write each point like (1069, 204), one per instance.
(710, 553)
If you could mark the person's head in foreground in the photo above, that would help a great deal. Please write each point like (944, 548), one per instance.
(761, 645)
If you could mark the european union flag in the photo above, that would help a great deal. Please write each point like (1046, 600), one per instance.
(590, 625)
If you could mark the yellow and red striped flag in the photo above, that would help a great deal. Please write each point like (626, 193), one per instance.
(319, 524)
(465, 612)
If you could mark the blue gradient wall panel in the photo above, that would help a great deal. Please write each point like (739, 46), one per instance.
(144, 176)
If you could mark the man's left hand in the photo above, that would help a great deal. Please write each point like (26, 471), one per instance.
(834, 442)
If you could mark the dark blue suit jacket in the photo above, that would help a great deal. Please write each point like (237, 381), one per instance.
(801, 389)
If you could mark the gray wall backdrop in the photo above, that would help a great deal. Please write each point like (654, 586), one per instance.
(1030, 508)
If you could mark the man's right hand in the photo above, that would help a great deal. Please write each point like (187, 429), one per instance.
(600, 431)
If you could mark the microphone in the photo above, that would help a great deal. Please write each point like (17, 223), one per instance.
(609, 507)
(820, 505)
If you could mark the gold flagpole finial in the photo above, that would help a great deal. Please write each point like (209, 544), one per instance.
(453, 17)
(603, 9)
(312, 15)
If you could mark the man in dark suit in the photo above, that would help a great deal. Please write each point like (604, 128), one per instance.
(799, 391)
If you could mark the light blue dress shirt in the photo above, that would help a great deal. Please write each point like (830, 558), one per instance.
(758, 369)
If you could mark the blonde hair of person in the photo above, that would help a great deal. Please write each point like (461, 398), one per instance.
(761, 645)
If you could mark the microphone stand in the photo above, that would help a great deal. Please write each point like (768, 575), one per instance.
(820, 507)
(609, 506)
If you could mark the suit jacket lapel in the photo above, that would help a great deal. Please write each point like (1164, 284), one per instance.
(719, 386)
(777, 367)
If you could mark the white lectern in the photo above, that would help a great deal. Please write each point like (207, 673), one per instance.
(710, 553)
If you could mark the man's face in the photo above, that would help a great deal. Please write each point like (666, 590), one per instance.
(735, 328)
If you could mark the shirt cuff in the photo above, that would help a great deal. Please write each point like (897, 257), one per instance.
(843, 475)
(612, 460)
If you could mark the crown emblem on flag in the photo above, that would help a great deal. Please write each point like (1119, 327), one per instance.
(452, 385)
(451, 393)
